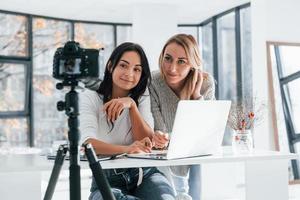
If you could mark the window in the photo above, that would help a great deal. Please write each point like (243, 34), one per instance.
(226, 62)
(27, 89)
(225, 43)
(14, 73)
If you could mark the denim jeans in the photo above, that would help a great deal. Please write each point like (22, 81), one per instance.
(191, 184)
(124, 185)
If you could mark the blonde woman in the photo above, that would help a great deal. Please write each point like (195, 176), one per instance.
(181, 77)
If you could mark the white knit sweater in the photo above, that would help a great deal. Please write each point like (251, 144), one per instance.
(93, 121)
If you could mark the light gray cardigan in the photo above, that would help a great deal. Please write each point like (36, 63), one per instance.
(164, 101)
(164, 104)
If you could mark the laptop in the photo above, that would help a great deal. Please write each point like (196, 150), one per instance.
(198, 130)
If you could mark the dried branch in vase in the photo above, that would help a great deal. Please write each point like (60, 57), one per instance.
(243, 115)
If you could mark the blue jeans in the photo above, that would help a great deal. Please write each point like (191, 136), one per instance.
(190, 185)
(124, 185)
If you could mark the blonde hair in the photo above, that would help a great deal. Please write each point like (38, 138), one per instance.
(191, 49)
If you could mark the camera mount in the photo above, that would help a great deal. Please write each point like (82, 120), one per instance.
(70, 105)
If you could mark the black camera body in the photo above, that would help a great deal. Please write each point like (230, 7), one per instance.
(74, 63)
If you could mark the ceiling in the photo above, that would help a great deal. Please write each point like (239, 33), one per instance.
(120, 11)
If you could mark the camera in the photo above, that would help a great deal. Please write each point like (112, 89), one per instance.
(72, 62)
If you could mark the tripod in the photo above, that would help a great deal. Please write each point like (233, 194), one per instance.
(71, 110)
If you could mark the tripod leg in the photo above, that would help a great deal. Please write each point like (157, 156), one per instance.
(59, 160)
(98, 174)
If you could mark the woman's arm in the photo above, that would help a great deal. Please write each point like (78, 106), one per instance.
(141, 119)
(159, 124)
(89, 113)
(101, 147)
(138, 114)
(196, 94)
(160, 138)
(204, 87)
(104, 148)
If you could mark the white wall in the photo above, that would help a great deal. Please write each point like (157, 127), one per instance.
(272, 20)
(283, 20)
(152, 25)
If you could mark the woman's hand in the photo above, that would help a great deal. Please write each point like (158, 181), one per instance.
(198, 84)
(114, 107)
(160, 140)
(141, 146)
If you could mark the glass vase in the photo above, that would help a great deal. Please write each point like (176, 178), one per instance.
(242, 141)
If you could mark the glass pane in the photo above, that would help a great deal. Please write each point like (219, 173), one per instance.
(124, 34)
(292, 90)
(13, 35)
(246, 52)
(206, 45)
(95, 36)
(48, 35)
(226, 57)
(12, 87)
(13, 132)
(49, 124)
(290, 59)
(191, 30)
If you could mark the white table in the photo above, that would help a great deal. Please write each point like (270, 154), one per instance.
(266, 172)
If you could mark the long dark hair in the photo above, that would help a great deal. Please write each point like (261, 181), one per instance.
(105, 88)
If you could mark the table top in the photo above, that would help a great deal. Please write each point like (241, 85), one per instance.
(33, 162)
